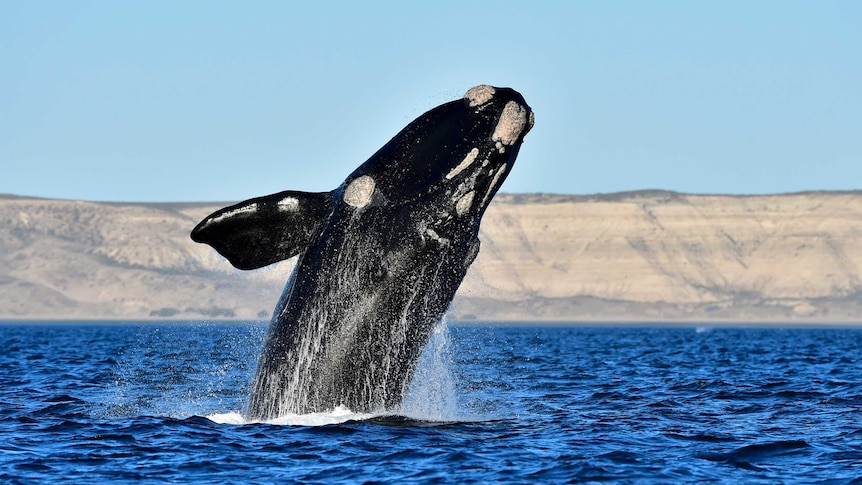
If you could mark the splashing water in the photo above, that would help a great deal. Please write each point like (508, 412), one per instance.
(353, 339)
(158, 374)
(432, 395)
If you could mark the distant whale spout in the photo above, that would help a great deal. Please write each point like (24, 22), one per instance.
(380, 257)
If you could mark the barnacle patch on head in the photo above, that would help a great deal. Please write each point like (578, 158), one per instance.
(479, 95)
(492, 187)
(509, 127)
(468, 160)
(358, 194)
(432, 234)
(288, 204)
(463, 204)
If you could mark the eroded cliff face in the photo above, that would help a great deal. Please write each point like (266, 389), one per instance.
(64, 259)
(648, 255)
(655, 255)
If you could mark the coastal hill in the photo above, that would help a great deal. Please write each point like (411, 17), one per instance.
(634, 256)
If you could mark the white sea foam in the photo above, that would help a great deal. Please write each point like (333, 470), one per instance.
(227, 418)
(338, 415)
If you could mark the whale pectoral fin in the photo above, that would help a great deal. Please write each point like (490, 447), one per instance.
(265, 230)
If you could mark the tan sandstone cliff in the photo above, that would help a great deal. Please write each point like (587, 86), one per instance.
(639, 256)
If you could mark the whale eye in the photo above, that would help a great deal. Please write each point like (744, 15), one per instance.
(358, 193)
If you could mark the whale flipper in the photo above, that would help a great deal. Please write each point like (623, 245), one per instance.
(265, 230)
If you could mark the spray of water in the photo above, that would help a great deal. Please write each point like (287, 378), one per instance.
(159, 375)
(355, 334)
(432, 395)
(334, 365)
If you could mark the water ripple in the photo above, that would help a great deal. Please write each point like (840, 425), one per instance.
(96, 404)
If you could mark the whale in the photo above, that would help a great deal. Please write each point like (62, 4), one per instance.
(380, 257)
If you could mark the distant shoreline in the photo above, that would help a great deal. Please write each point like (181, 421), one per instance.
(472, 323)
(502, 196)
(646, 257)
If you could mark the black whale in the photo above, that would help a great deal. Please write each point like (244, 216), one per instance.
(380, 258)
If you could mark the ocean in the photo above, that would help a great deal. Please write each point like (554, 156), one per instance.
(134, 402)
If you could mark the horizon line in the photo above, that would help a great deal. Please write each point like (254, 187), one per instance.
(622, 194)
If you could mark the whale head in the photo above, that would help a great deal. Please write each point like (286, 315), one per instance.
(461, 151)
(437, 175)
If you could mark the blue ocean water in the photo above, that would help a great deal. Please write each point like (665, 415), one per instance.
(125, 402)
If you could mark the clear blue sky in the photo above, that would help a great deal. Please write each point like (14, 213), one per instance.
(207, 100)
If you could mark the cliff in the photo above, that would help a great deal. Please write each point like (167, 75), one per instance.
(638, 256)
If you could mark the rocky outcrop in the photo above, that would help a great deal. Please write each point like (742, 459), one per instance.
(648, 255)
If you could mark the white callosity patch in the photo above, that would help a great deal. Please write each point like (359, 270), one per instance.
(428, 233)
(245, 209)
(468, 160)
(431, 233)
(358, 194)
(288, 204)
(463, 194)
(510, 125)
(479, 95)
(493, 184)
(464, 203)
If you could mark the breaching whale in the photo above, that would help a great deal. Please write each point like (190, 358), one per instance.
(380, 257)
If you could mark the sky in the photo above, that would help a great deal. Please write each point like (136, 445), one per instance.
(223, 101)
